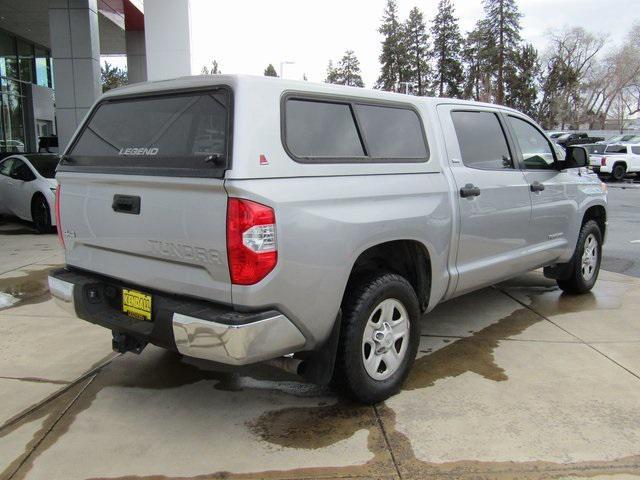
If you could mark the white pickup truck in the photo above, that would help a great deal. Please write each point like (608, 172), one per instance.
(617, 161)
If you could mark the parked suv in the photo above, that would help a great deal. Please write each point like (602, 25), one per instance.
(240, 219)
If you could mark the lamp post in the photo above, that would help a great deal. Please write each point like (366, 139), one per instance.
(283, 64)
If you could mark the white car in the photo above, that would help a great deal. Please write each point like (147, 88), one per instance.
(27, 188)
(616, 161)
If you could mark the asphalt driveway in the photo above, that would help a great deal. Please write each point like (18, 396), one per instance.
(514, 381)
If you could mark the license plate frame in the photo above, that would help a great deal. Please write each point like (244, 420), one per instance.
(137, 304)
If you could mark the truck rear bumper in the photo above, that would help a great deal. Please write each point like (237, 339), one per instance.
(192, 327)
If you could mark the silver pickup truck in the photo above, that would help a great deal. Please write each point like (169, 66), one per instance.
(242, 219)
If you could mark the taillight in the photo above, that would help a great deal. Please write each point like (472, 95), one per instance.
(58, 224)
(251, 241)
(603, 162)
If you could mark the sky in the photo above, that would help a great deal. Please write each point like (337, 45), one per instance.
(244, 36)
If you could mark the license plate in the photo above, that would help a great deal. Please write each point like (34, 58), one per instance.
(136, 304)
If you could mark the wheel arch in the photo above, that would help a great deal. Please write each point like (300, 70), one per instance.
(598, 213)
(407, 257)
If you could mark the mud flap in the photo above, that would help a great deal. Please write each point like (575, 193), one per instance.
(318, 365)
(559, 271)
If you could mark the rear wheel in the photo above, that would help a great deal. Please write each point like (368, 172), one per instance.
(586, 260)
(379, 338)
(619, 171)
(40, 214)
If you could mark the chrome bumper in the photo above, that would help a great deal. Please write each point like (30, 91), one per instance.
(236, 344)
(62, 293)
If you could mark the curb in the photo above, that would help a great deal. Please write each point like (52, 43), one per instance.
(623, 186)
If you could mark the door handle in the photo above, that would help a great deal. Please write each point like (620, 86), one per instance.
(469, 190)
(537, 186)
(126, 204)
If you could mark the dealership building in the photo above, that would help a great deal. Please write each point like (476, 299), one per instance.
(50, 59)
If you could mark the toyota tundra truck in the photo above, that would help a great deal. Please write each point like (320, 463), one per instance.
(245, 219)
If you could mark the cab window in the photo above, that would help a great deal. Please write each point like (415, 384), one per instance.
(536, 150)
(483, 144)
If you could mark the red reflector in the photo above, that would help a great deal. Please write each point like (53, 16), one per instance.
(58, 223)
(603, 162)
(252, 252)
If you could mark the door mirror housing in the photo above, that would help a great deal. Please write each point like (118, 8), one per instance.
(576, 157)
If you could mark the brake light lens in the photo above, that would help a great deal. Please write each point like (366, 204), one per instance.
(251, 241)
(58, 223)
(603, 162)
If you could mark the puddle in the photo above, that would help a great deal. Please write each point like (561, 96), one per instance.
(26, 289)
(312, 427)
(470, 354)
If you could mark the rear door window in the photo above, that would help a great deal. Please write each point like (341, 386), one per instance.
(635, 150)
(615, 149)
(182, 134)
(482, 141)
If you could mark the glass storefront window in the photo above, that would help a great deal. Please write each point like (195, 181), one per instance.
(25, 61)
(8, 57)
(13, 123)
(21, 63)
(43, 67)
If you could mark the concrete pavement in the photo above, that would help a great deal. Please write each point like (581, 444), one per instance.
(515, 381)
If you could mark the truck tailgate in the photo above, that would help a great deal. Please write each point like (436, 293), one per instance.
(175, 243)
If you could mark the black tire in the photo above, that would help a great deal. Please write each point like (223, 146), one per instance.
(361, 301)
(578, 282)
(40, 214)
(619, 171)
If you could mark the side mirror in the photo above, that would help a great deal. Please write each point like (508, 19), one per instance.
(576, 157)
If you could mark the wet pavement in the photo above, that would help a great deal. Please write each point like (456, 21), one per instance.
(514, 381)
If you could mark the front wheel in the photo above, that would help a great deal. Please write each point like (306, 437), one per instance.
(379, 338)
(586, 260)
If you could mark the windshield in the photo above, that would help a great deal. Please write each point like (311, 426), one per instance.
(44, 164)
(173, 133)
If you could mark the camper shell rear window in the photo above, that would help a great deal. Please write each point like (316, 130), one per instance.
(184, 134)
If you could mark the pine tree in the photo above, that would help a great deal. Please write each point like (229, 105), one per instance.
(502, 21)
(214, 70)
(476, 59)
(332, 74)
(393, 56)
(416, 46)
(347, 72)
(112, 77)
(447, 43)
(270, 71)
(522, 80)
